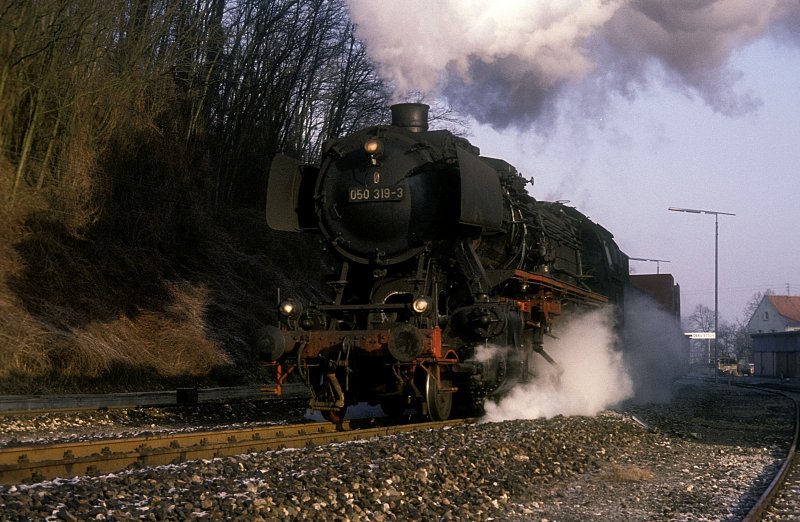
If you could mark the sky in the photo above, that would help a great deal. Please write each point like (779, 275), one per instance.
(626, 108)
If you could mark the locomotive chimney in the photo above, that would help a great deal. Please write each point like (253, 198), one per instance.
(413, 116)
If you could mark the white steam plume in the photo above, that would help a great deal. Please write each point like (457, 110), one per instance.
(507, 62)
(591, 375)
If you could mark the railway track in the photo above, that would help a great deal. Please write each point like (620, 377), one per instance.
(37, 463)
(32, 404)
(781, 500)
(708, 454)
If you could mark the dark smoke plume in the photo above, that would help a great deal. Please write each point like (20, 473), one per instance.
(656, 351)
(507, 63)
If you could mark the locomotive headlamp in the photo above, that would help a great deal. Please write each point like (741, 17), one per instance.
(420, 305)
(373, 147)
(291, 308)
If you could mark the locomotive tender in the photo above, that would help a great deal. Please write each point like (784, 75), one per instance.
(450, 272)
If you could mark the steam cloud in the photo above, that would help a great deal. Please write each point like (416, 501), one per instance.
(593, 373)
(507, 63)
(590, 377)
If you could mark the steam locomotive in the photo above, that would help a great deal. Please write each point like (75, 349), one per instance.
(450, 272)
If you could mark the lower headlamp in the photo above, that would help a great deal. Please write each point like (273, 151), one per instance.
(291, 308)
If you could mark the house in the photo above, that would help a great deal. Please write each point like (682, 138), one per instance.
(776, 313)
(775, 329)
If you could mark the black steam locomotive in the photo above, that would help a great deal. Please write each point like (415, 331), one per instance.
(450, 272)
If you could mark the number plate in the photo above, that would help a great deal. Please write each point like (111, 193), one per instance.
(363, 194)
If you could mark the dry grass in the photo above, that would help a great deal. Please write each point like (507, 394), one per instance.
(55, 347)
(112, 277)
(628, 473)
(124, 353)
(57, 328)
(23, 343)
(173, 344)
(22, 338)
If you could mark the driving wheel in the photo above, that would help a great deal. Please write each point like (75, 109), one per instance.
(439, 402)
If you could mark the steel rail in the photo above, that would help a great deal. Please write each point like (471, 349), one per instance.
(38, 463)
(13, 405)
(757, 511)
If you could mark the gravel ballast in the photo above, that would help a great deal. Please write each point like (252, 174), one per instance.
(707, 455)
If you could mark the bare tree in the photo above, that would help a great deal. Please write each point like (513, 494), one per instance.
(294, 76)
(742, 342)
(702, 319)
(229, 82)
(120, 121)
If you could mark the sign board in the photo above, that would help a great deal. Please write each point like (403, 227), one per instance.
(701, 335)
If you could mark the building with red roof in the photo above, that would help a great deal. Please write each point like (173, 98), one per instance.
(775, 329)
(776, 313)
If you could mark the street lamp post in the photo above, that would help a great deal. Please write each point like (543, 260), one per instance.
(716, 269)
(656, 261)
